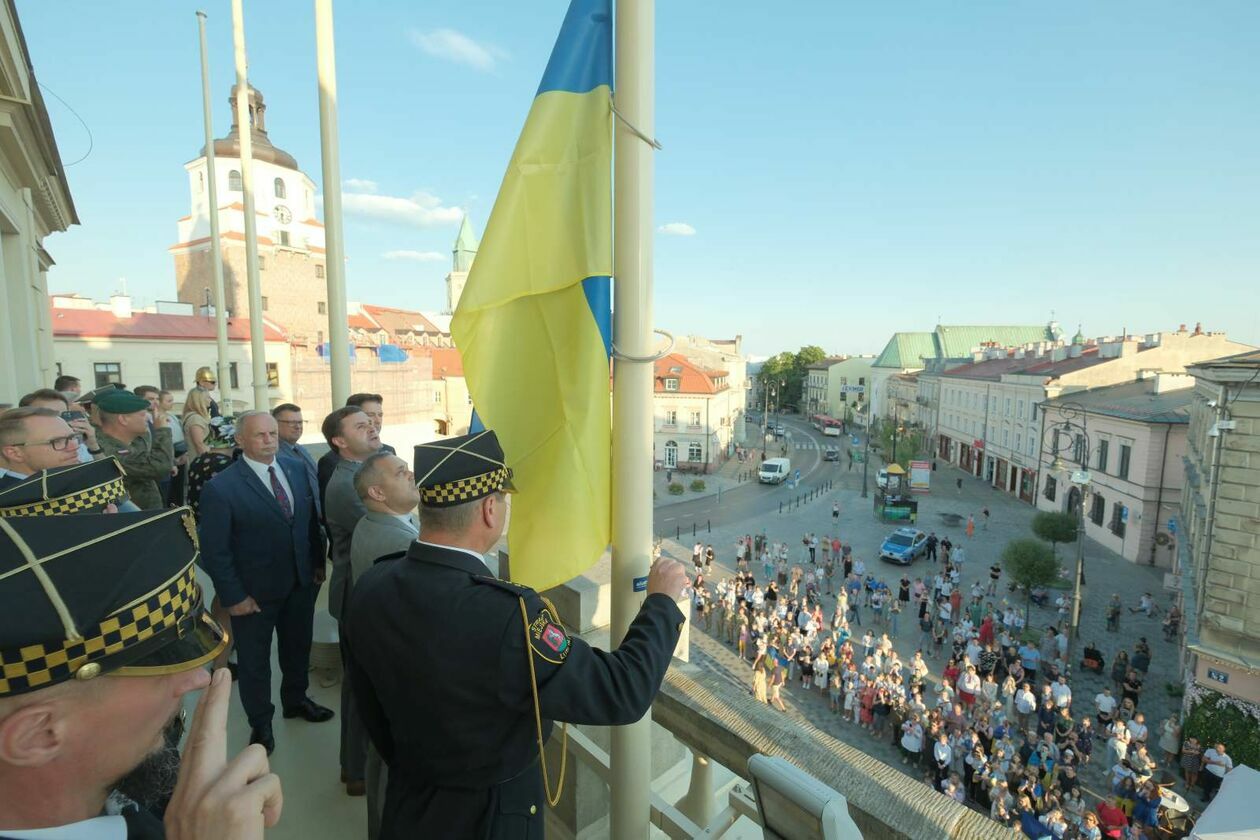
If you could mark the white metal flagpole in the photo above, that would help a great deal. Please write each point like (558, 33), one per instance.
(338, 331)
(245, 125)
(216, 246)
(631, 749)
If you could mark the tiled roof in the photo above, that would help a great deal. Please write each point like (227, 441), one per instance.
(992, 369)
(907, 350)
(692, 379)
(97, 323)
(1088, 358)
(447, 361)
(399, 320)
(1133, 401)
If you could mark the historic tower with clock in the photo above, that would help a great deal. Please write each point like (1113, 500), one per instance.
(290, 239)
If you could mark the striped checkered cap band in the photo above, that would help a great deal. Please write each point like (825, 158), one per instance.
(79, 488)
(127, 638)
(466, 489)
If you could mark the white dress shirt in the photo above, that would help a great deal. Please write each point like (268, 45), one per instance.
(97, 828)
(408, 520)
(480, 558)
(260, 469)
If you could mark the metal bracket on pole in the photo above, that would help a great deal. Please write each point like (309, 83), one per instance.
(626, 357)
(651, 141)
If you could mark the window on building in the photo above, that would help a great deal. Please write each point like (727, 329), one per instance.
(233, 379)
(1096, 509)
(284, 238)
(1032, 445)
(695, 452)
(671, 417)
(1019, 443)
(1118, 515)
(1019, 409)
(171, 376)
(1052, 487)
(671, 384)
(262, 262)
(279, 188)
(234, 180)
(107, 373)
(273, 375)
(1006, 408)
(1078, 451)
(319, 272)
(319, 336)
(1103, 445)
(1033, 413)
(437, 396)
(264, 303)
(322, 307)
(1126, 452)
(1006, 437)
(695, 418)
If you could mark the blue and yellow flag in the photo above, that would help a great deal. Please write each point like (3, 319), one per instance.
(534, 322)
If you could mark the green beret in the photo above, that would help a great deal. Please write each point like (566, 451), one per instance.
(119, 401)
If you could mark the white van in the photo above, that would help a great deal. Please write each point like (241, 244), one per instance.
(774, 470)
(831, 431)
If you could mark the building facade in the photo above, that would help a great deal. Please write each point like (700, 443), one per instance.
(1136, 440)
(696, 412)
(817, 386)
(118, 345)
(34, 202)
(291, 258)
(724, 354)
(848, 382)
(1218, 534)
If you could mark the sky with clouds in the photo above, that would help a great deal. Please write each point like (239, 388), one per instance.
(829, 175)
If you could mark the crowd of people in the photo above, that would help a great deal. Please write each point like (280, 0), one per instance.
(983, 709)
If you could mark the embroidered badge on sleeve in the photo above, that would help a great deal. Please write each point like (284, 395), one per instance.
(548, 638)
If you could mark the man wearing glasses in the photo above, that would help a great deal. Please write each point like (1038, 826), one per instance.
(291, 425)
(33, 439)
(141, 441)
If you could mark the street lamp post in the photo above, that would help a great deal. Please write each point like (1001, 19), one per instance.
(1080, 478)
(866, 454)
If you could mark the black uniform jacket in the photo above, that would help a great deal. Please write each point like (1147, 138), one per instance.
(440, 663)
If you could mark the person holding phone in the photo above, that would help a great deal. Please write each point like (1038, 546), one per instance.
(147, 455)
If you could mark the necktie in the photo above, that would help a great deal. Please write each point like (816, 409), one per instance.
(282, 497)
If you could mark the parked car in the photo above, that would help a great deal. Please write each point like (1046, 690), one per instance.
(903, 546)
(778, 429)
(831, 454)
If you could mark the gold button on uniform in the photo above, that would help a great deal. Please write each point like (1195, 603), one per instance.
(533, 809)
(91, 670)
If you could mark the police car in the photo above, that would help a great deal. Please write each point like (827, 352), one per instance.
(903, 546)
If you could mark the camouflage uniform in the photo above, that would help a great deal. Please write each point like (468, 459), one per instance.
(147, 462)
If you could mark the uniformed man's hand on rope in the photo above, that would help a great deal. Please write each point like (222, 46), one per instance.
(217, 799)
(668, 577)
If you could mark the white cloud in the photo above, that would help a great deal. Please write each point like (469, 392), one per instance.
(420, 209)
(359, 185)
(455, 46)
(415, 256)
(677, 229)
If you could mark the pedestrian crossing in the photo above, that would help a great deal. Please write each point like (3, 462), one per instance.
(809, 443)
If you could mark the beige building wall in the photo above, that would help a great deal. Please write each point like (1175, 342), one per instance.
(1219, 540)
(139, 361)
(705, 421)
(843, 378)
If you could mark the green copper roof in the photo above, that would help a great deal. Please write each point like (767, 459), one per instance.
(956, 342)
(907, 350)
(465, 246)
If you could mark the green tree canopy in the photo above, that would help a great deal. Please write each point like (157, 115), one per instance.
(1030, 564)
(1055, 527)
(789, 368)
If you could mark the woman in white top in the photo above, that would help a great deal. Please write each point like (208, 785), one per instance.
(911, 740)
(820, 673)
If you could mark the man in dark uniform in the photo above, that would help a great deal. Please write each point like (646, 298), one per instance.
(94, 487)
(102, 634)
(459, 675)
(145, 452)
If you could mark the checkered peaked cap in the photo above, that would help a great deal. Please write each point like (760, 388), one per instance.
(100, 593)
(461, 469)
(78, 488)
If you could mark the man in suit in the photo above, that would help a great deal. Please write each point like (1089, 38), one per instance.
(291, 425)
(34, 439)
(387, 488)
(373, 406)
(263, 547)
(461, 723)
(350, 433)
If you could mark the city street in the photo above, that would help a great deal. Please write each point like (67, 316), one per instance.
(1106, 573)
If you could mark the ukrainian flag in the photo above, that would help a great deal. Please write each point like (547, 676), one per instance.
(534, 322)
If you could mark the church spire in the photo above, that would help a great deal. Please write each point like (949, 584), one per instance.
(465, 246)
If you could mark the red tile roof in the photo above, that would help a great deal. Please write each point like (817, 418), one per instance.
(400, 320)
(692, 379)
(97, 323)
(447, 361)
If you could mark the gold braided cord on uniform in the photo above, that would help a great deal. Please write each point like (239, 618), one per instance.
(564, 727)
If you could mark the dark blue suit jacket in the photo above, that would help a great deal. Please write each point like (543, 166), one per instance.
(247, 547)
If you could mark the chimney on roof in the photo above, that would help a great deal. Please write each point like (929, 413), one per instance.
(120, 305)
(1058, 354)
(1181, 328)
(1019, 354)
(1198, 328)
(1165, 382)
(1074, 351)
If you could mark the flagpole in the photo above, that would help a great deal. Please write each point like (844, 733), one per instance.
(245, 127)
(334, 250)
(216, 245)
(631, 750)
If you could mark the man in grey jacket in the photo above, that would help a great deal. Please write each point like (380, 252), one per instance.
(387, 488)
(348, 431)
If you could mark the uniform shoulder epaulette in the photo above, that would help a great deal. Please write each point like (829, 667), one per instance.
(506, 585)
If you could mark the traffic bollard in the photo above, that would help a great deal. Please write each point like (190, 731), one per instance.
(677, 532)
(780, 507)
(693, 529)
(708, 524)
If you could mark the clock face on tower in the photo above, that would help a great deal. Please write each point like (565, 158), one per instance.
(282, 214)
